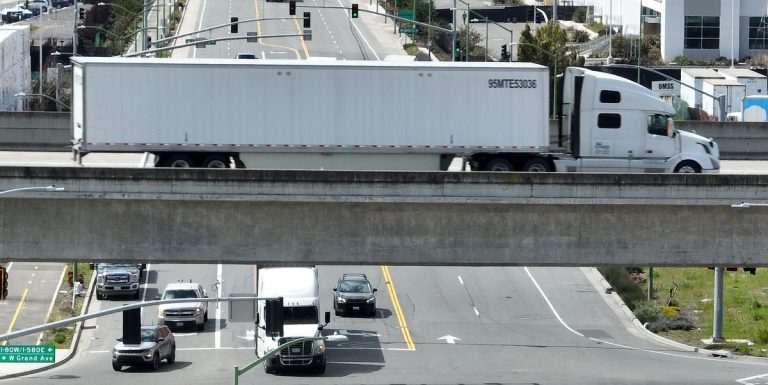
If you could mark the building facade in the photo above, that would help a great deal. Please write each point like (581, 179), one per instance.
(697, 29)
(15, 65)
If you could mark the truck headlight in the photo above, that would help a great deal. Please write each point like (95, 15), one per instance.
(160, 313)
(198, 310)
(341, 300)
(134, 278)
(99, 278)
(371, 300)
(320, 348)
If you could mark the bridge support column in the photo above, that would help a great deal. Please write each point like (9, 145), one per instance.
(717, 330)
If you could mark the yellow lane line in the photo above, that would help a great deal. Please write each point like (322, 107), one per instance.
(398, 310)
(16, 315)
(301, 38)
(258, 31)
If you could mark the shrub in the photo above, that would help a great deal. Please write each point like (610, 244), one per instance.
(682, 60)
(678, 322)
(580, 15)
(761, 335)
(60, 338)
(670, 311)
(647, 311)
(629, 291)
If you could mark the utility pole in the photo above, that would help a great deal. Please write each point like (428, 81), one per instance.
(554, 11)
(453, 34)
(717, 322)
(74, 30)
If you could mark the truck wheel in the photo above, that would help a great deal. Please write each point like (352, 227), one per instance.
(688, 167)
(136, 296)
(180, 161)
(205, 317)
(216, 161)
(536, 165)
(200, 327)
(116, 366)
(99, 295)
(320, 369)
(267, 369)
(499, 164)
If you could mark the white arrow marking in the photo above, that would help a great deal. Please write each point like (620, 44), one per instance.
(450, 339)
(250, 335)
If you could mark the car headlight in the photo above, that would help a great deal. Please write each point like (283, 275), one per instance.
(320, 348)
(341, 300)
(100, 278)
(198, 311)
(114, 350)
(160, 313)
(371, 300)
(148, 354)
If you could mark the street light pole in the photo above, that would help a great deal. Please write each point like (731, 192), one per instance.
(453, 34)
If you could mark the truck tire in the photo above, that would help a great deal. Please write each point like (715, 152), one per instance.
(216, 161)
(499, 164)
(688, 167)
(99, 296)
(180, 161)
(116, 366)
(536, 165)
(205, 316)
(267, 369)
(136, 296)
(200, 327)
(320, 369)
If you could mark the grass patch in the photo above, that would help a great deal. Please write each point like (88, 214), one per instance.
(745, 314)
(411, 49)
(62, 309)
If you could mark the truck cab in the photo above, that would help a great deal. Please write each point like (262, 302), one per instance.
(617, 125)
(300, 289)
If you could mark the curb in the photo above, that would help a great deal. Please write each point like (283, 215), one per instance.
(75, 338)
(599, 282)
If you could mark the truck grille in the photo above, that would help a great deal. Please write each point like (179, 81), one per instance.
(180, 313)
(355, 300)
(117, 278)
(298, 350)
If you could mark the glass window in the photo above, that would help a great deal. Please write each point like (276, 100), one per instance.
(702, 32)
(758, 33)
(609, 121)
(147, 335)
(297, 315)
(657, 124)
(610, 97)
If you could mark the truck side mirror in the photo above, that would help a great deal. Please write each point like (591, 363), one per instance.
(374, 290)
(335, 289)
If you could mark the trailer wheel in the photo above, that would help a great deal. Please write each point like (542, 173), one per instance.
(536, 165)
(499, 164)
(688, 167)
(179, 160)
(216, 161)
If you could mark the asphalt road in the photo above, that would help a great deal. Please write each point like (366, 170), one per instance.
(507, 325)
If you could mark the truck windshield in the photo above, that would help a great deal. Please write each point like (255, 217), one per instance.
(173, 294)
(299, 315)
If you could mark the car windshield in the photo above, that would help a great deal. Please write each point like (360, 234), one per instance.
(174, 294)
(147, 335)
(354, 287)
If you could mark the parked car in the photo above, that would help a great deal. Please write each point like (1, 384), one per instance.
(246, 55)
(61, 3)
(157, 344)
(12, 15)
(39, 6)
(186, 313)
(354, 294)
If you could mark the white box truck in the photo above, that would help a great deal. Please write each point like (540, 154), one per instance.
(366, 115)
(300, 290)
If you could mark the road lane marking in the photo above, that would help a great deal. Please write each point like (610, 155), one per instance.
(258, 32)
(217, 333)
(53, 302)
(16, 315)
(398, 310)
(146, 283)
(461, 281)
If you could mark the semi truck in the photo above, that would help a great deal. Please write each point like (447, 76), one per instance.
(300, 290)
(375, 115)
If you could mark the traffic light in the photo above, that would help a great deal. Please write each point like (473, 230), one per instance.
(233, 25)
(503, 52)
(273, 317)
(82, 13)
(291, 7)
(306, 19)
(457, 54)
(354, 11)
(3, 283)
(149, 41)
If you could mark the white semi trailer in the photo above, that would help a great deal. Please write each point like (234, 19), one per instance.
(366, 115)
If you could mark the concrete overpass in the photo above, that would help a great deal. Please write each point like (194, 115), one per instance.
(430, 218)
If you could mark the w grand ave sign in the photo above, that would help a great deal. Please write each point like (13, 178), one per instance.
(27, 354)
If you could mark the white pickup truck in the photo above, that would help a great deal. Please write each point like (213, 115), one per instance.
(185, 313)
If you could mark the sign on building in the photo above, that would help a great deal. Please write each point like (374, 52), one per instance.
(666, 88)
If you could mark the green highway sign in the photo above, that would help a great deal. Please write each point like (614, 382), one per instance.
(409, 30)
(27, 354)
(211, 42)
(405, 14)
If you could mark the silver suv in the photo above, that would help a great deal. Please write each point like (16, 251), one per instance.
(157, 344)
(184, 313)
